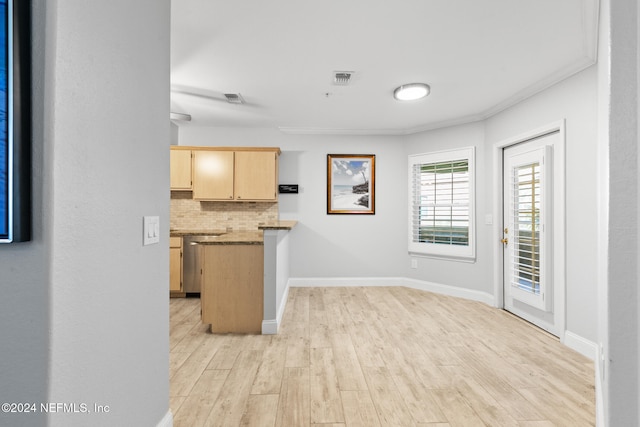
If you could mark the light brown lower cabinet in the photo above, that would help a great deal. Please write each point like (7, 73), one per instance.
(232, 294)
(175, 264)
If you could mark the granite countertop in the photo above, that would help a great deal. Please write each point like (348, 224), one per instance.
(196, 232)
(233, 238)
(224, 237)
(277, 225)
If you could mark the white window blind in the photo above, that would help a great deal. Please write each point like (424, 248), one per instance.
(441, 220)
(527, 201)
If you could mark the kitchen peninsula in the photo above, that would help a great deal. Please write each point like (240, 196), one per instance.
(244, 277)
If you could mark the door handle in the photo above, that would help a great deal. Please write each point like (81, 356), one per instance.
(505, 241)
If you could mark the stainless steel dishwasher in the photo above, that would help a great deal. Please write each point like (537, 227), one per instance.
(191, 262)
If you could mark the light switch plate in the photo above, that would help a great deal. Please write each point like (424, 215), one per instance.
(150, 230)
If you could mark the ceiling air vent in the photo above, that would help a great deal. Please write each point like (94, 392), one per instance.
(342, 78)
(234, 98)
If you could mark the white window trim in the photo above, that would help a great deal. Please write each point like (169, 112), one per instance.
(435, 250)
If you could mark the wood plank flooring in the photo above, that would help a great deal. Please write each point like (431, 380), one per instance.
(379, 356)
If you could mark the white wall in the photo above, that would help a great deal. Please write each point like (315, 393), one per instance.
(574, 100)
(329, 246)
(358, 246)
(84, 308)
(25, 268)
(604, 99)
(175, 133)
(475, 276)
(620, 326)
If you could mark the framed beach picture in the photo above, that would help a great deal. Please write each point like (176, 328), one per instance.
(351, 183)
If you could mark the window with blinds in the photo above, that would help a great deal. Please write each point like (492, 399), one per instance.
(441, 204)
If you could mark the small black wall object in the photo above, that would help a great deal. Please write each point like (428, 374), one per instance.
(288, 188)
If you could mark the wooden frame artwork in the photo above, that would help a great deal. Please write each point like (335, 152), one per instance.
(351, 183)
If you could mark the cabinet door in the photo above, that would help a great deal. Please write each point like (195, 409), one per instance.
(233, 288)
(180, 169)
(256, 175)
(213, 175)
(175, 269)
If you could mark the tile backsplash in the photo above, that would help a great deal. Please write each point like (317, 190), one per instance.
(189, 214)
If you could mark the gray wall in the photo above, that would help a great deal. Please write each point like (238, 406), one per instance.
(334, 246)
(619, 317)
(84, 308)
(477, 275)
(25, 268)
(175, 133)
(331, 245)
(575, 100)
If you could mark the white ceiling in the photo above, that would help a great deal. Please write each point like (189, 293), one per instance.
(478, 56)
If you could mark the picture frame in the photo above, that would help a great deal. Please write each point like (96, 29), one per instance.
(15, 121)
(351, 184)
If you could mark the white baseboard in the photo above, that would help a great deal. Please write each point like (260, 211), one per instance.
(393, 281)
(167, 420)
(581, 345)
(600, 417)
(327, 282)
(452, 291)
(283, 303)
(271, 326)
(590, 350)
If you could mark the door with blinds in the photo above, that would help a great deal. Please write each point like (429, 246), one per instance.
(528, 231)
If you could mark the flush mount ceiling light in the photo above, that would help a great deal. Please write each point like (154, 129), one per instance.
(411, 91)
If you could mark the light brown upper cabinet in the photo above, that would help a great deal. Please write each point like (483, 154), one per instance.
(255, 175)
(236, 174)
(212, 175)
(180, 169)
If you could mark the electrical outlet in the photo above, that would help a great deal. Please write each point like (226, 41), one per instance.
(414, 263)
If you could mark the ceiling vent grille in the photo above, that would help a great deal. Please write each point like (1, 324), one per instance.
(342, 78)
(234, 98)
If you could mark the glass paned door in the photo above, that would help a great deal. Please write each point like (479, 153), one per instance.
(525, 212)
(527, 208)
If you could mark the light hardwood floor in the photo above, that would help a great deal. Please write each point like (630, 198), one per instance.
(380, 356)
